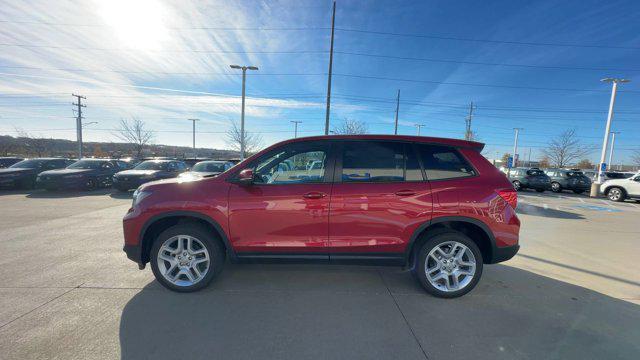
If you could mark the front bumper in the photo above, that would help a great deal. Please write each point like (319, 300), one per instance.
(129, 183)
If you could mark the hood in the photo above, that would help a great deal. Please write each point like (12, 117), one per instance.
(6, 171)
(63, 172)
(196, 174)
(137, 173)
(177, 181)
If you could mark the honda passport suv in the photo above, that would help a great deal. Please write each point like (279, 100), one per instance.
(431, 205)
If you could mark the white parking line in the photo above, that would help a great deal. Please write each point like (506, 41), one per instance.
(582, 201)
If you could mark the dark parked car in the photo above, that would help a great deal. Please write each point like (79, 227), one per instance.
(567, 179)
(146, 171)
(434, 206)
(192, 161)
(207, 168)
(87, 174)
(5, 162)
(523, 178)
(23, 174)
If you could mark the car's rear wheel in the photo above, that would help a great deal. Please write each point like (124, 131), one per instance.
(517, 185)
(556, 187)
(186, 257)
(449, 265)
(91, 184)
(616, 194)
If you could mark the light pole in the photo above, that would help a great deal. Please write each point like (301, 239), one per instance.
(419, 126)
(515, 146)
(194, 136)
(295, 131)
(595, 187)
(613, 142)
(244, 78)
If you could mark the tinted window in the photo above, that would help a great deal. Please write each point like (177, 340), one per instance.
(373, 161)
(29, 164)
(441, 162)
(297, 163)
(87, 164)
(535, 172)
(206, 166)
(152, 165)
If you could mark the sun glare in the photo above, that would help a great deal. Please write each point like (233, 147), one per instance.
(138, 24)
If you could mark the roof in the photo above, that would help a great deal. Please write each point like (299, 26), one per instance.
(421, 139)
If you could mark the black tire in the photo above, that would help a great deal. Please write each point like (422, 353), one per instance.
(517, 185)
(435, 240)
(578, 191)
(540, 190)
(211, 243)
(556, 187)
(616, 194)
(91, 184)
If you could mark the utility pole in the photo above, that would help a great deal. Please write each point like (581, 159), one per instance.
(595, 186)
(419, 126)
(529, 160)
(613, 142)
(79, 122)
(244, 79)
(515, 147)
(333, 24)
(467, 134)
(295, 124)
(194, 136)
(397, 110)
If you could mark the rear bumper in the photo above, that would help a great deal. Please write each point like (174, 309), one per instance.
(501, 254)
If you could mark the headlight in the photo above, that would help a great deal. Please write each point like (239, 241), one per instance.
(138, 196)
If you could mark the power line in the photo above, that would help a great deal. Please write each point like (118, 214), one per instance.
(510, 42)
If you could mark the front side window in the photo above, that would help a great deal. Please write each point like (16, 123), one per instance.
(152, 165)
(293, 164)
(87, 164)
(442, 162)
(379, 161)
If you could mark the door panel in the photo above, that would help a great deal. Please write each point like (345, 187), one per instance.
(286, 209)
(373, 208)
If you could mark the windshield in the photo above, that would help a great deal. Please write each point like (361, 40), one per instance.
(152, 165)
(28, 164)
(208, 167)
(535, 172)
(86, 164)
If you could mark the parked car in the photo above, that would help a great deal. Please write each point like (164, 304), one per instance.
(86, 174)
(529, 178)
(5, 162)
(435, 206)
(207, 168)
(192, 161)
(608, 175)
(23, 174)
(621, 189)
(147, 171)
(568, 179)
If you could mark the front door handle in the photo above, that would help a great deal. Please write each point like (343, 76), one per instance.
(314, 195)
(405, 192)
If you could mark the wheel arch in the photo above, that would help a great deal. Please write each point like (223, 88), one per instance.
(476, 230)
(158, 223)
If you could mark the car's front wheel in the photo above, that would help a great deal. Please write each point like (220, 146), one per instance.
(517, 185)
(186, 257)
(616, 194)
(556, 187)
(449, 265)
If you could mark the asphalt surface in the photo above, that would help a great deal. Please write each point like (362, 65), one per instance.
(67, 291)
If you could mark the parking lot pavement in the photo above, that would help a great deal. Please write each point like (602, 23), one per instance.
(68, 292)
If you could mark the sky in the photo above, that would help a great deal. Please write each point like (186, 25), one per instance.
(534, 65)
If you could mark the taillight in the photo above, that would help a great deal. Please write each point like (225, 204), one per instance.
(509, 195)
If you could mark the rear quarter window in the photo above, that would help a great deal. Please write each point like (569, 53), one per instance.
(442, 162)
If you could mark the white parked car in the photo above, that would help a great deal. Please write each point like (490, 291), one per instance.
(621, 189)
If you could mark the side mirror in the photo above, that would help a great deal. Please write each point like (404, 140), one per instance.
(245, 177)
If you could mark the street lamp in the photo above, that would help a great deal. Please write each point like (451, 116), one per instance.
(595, 187)
(613, 143)
(194, 136)
(244, 77)
(296, 122)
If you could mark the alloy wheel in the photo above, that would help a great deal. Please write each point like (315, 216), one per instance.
(517, 185)
(450, 266)
(183, 260)
(615, 194)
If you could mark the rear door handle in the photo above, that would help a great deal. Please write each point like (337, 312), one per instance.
(405, 192)
(314, 195)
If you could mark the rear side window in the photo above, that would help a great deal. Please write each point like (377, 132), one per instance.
(379, 161)
(442, 162)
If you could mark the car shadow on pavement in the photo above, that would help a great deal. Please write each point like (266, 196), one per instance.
(121, 194)
(61, 194)
(534, 210)
(16, 192)
(332, 312)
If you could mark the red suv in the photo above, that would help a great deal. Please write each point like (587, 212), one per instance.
(435, 206)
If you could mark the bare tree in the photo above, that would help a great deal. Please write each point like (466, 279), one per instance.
(34, 144)
(135, 133)
(252, 142)
(565, 149)
(635, 158)
(351, 127)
